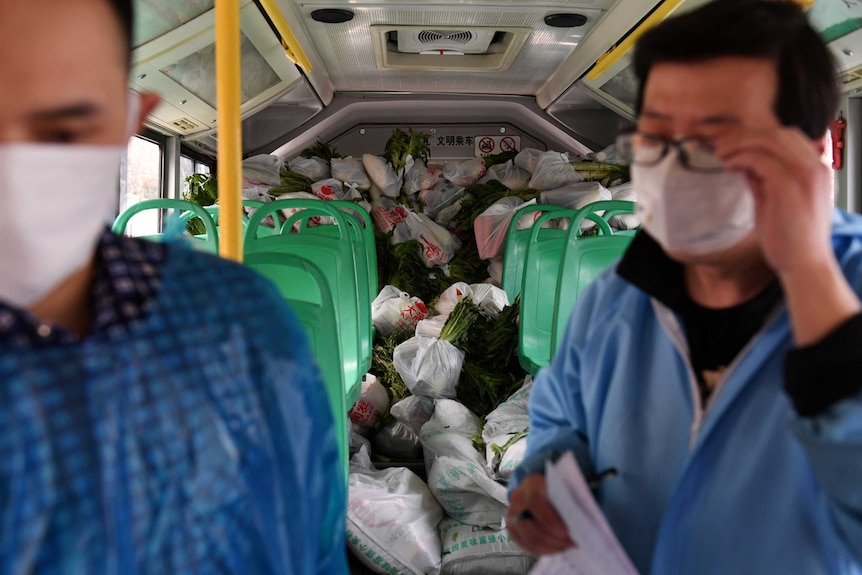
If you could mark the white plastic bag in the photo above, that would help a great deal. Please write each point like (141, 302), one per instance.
(332, 189)
(315, 169)
(509, 175)
(382, 175)
(528, 158)
(394, 310)
(440, 197)
(553, 170)
(575, 197)
(492, 225)
(432, 327)
(464, 172)
(392, 515)
(373, 401)
(387, 214)
(421, 177)
(313, 220)
(467, 492)
(398, 441)
(438, 243)
(357, 441)
(511, 416)
(490, 299)
(261, 171)
(429, 367)
(413, 411)
(350, 171)
(468, 550)
(627, 193)
(452, 297)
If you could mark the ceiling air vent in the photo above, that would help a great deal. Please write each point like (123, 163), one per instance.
(184, 124)
(427, 48)
(413, 41)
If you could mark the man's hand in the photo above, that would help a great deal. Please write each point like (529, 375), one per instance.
(541, 531)
(793, 200)
(792, 194)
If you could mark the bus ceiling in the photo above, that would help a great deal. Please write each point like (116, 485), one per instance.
(561, 70)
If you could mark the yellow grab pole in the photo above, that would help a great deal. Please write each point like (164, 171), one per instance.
(291, 44)
(616, 52)
(229, 102)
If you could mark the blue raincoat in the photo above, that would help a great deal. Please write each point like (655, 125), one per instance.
(745, 486)
(202, 442)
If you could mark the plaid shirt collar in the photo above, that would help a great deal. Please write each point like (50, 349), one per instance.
(128, 277)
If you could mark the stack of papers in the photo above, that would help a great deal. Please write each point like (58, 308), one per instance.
(598, 552)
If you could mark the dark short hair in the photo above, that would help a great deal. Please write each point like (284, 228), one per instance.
(125, 13)
(776, 30)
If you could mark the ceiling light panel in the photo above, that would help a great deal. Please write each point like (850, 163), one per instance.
(348, 53)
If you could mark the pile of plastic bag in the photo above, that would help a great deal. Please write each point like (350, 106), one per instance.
(442, 419)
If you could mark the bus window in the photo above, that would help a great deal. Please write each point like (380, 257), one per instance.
(141, 179)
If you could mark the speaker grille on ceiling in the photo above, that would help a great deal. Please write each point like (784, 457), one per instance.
(433, 36)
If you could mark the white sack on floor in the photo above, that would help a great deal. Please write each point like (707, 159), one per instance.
(392, 515)
(490, 299)
(382, 175)
(626, 193)
(372, 403)
(397, 441)
(469, 550)
(464, 172)
(413, 411)
(509, 175)
(492, 225)
(421, 177)
(528, 158)
(511, 416)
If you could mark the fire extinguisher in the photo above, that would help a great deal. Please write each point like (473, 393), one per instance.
(837, 128)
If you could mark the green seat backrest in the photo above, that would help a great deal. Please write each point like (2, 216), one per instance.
(516, 247)
(361, 232)
(332, 252)
(365, 257)
(538, 287)
(584, 258)
(209, 242)
(303, 285)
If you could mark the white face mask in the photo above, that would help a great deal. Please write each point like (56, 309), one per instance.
(55, 200)
(690, 212)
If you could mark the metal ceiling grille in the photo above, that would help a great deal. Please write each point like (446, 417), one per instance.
(433, 36)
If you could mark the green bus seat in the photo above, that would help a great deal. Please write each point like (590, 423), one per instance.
(332, 251)
(187, 209)
(538, 286)
(516, 247)
(303, 285)
(584, 258)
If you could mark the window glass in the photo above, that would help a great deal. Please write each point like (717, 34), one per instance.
(141, 179)
(202, 168)
(187, 168)
(156, 17)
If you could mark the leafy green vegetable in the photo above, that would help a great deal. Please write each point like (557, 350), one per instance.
(291, 182)
(466, 266)
(411, 274)
(321, 150)
(462, 324)
(599, 172)
(483, 195)
(402, 144)
(203, 189)
(383, 366)
(500, 450)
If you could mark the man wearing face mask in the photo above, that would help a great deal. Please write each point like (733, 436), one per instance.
(717, 368)
(160, 411)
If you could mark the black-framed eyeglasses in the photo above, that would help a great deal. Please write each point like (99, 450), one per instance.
(695, 152)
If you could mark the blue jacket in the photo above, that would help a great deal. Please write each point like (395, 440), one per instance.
(746, 486)
(200, 442)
